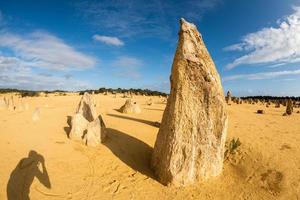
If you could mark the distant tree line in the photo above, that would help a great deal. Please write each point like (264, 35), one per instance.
(23, 93)
(271, 98)
(31, 93)
(146, 92)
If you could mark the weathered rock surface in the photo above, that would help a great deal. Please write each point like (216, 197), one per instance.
(95, 130)
(2, 103)
(289, 107)
(130, 106)
(36, 114)
(10, 103)
(86, 126)
(87, 107)
(26, 106)
(228, 98)
(79, 125)
(149, 102)
(191, 139)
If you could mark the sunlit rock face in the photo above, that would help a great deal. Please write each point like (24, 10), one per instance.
(191, 139)
(86, 126)
(87, 107)
(228, 98)
(130, 106)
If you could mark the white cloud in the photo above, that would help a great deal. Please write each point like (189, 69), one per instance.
(262, 75)
(276, 65)
(126, 61)
(21, 77)
(162, 85)
(234, 47)
(272, 45)
(28, 61)
(289, 79)
(108, 40)
(127, 67)
(128, 73)
(40, 49)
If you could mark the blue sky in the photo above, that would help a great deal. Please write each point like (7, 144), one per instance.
(76, 45)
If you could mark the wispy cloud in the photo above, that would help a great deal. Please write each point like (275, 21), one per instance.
(21, 77)
(108, 40)
(162, 85)
(68, 76)
(127, 61)
(289, 79)
(127, 67)
(40, 49)
(154, 18)
(272, 45)
(262, 75)
(38, 82)
(234, 47)
(28, 62)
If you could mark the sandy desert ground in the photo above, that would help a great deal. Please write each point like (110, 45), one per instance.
(266, 165)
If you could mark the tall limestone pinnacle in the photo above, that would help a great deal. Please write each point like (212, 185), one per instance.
(190, 143)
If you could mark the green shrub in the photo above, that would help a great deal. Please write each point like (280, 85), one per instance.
(231, 147)
(29, 94)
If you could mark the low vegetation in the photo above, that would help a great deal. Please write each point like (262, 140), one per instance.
(30, 93)
(145, 92)
(232, 147)
(271, 98)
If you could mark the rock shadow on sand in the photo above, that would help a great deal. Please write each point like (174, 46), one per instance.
(133, 152)
(22, 176)
(150, 123)
(67, 129)
(155, 109)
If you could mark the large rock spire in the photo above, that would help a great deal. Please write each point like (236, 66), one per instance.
(191, 139)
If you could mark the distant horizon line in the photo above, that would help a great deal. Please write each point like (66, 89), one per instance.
(10, 90)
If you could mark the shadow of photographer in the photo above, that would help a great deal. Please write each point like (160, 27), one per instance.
(21, 178)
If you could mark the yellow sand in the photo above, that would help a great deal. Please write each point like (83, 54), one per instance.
(267, 165)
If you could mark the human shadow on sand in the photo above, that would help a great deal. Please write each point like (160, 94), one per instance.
(133, 152)
(156, 124)
(22, 176)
